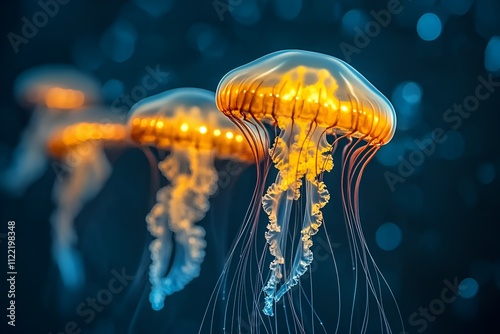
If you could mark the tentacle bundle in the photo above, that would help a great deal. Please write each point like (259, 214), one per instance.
(82, 183)
(193, 179)
(301, 151)
(307, 94)
(186, 122)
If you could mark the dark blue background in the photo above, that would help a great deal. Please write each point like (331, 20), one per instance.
(447, 209)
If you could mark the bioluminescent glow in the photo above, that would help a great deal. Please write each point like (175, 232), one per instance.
(185, 122)
(306, 96)
(82, 170)
(52, 91)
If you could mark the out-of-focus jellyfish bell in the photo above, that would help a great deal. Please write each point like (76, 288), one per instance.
(52, 91)
(185, 122)
(57, 87)
(82, 166)
(307, 96)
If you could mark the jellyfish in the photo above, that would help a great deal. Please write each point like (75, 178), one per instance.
(186, 123)
(83, 168)
(308, 97)
(52, 91)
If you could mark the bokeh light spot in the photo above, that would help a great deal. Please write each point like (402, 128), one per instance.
(412, 92)
(245, 12)
(406, 99)
(388, 236)
(468, 288)
(352, 19)
(492, 55)
(429, 27)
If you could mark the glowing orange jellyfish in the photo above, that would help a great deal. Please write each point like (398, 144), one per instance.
(185, 122)
(53, 91)
(308, 96)
(82, 168)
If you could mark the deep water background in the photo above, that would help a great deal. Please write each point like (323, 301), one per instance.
(440, 224)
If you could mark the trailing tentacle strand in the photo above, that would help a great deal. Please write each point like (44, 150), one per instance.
(193, 179)
(160, 247)
(83, 183)
(298, 152)
(317, 197)
(188, 204)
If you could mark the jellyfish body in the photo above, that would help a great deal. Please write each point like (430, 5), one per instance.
(53, 91)
(83, 167)
(187, 123)
(308, 96)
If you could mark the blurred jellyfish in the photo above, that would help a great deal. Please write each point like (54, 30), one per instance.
(83, 169)
(187, 123)
(52, 91)
(307, 96)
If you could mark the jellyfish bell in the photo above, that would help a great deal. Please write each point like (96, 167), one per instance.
(96, 127)
(52, 91)
(309, 87)
(56, 87)
(186, 123)
(308, 96)
(187, 117)
(82, 169)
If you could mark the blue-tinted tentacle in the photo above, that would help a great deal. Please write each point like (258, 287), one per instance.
(189, 204)
(278, 205)
(317, 197)
(193, 179)
(300, 152)
(81, 184)
(189, 255)
(29, 160)
(160, 247)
